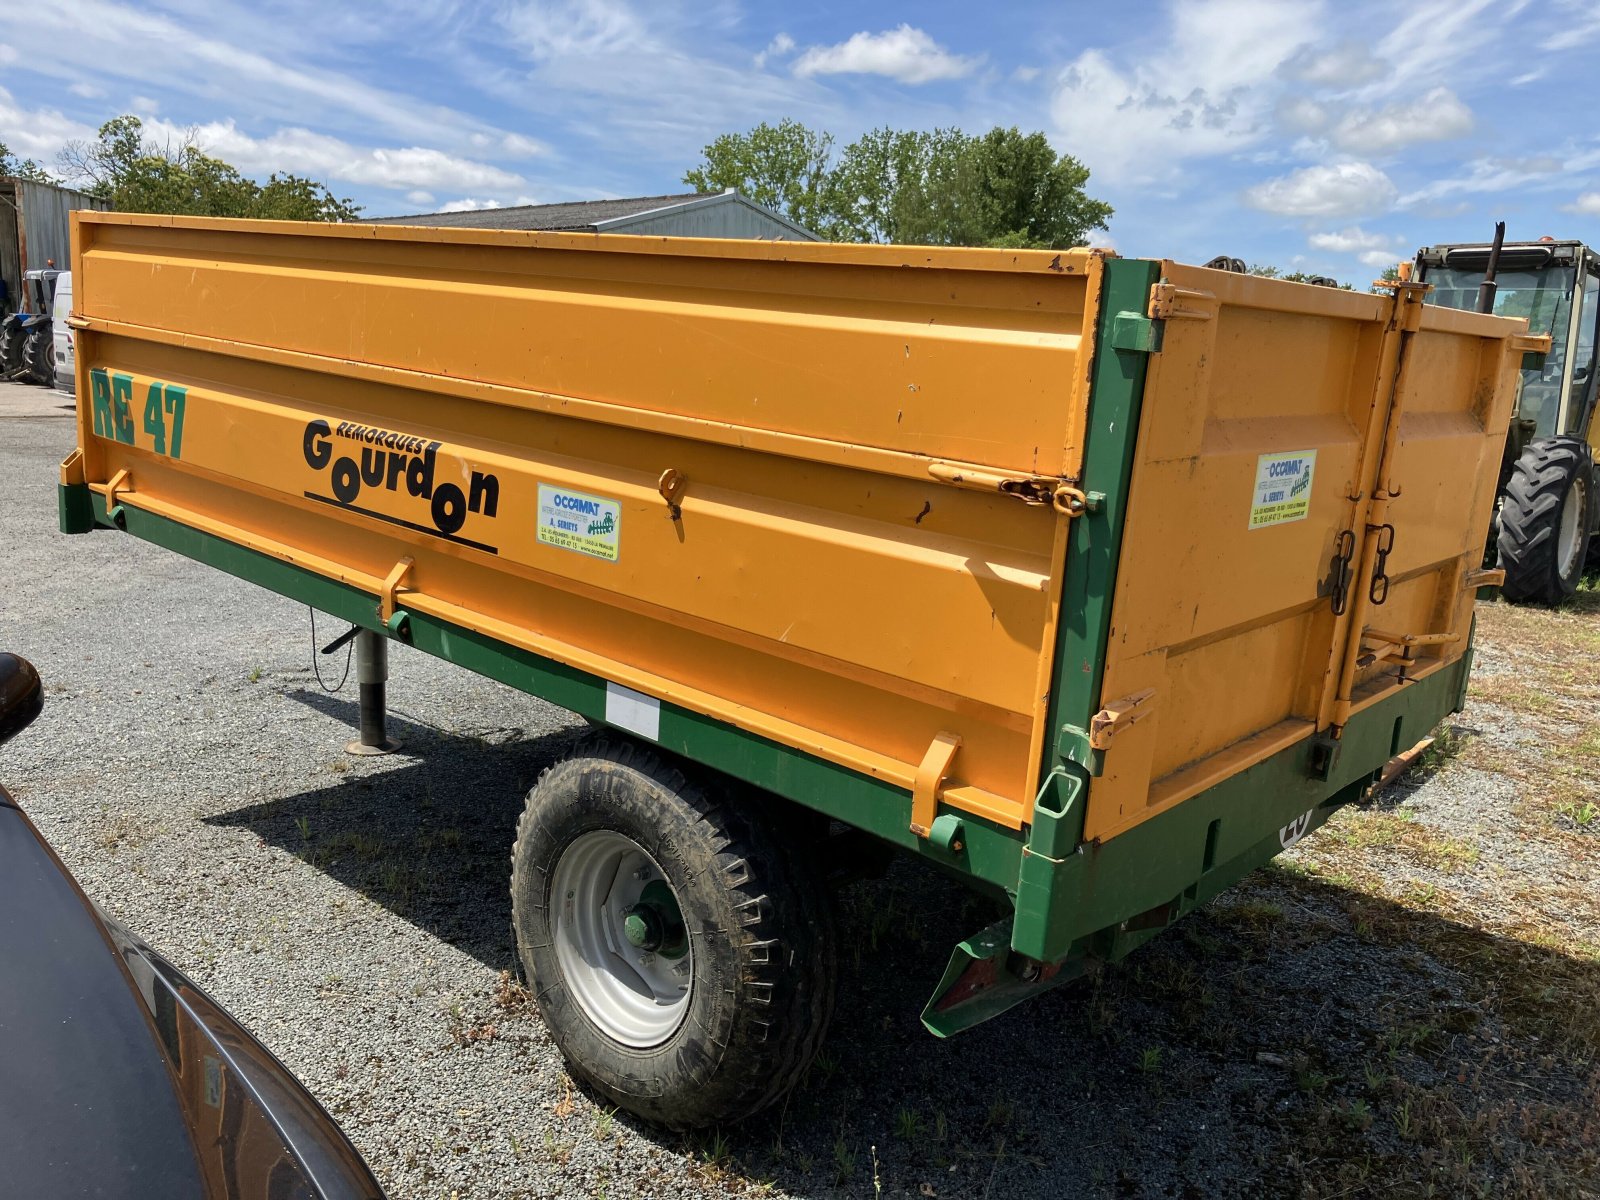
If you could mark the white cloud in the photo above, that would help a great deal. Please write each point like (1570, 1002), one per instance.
(1347, 189)
(145, 104)
(1380, 258)
(1351, 240)
(1341, 66)
(905, 53)
(515, 145)
(37, 133)
(553, 29)
(1208, 88)
(1303, 115)
(1026, 74)
(85, 89)
(1581, 29)
(779, 47)
(7, 54)
(1588, 205)
(468, 204)
(1531, 174)
(419, 198)
(320, 156)
(1435, 116)
(251, 55)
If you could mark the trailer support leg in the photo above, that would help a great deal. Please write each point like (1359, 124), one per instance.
(372, 678)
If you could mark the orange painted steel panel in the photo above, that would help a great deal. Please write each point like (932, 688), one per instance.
(501, 407)
(1223, 601)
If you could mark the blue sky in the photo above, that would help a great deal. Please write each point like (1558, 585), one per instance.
(1324, 136)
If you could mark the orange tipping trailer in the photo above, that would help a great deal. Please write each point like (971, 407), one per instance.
(1096, 581)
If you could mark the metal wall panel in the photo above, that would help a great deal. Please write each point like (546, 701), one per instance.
(45, 232)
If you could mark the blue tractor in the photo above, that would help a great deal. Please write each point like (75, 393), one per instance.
(27, 351)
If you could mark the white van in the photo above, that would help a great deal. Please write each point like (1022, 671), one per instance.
(62, 334)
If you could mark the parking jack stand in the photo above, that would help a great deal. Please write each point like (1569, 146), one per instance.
(372, 678)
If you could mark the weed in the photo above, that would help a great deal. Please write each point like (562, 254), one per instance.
(1001, 1113)
(1359, 1114)
(558, 1152)
(255, 674)
(1150, 1060)
(1403, 1123)
(844, 1159)
(603, 1120)
(716, 1149)
(907, 1124)
(303, 824)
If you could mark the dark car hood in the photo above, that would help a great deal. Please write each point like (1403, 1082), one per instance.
(120, 1078)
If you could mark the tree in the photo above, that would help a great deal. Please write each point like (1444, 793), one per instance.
(1270, 272)
(937, 187)
(22, 168)
(136, 174)
(783, 166)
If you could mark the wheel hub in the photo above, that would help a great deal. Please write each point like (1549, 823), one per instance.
(620, 939)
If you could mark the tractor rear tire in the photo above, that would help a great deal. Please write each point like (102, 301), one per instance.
(1545, 521)
(679, 947)
(12, 337)
(39, 355)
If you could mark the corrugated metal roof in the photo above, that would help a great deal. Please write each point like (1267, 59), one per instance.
(579, 215)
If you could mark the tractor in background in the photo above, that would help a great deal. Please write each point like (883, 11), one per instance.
(27, 344)
(1545, 532)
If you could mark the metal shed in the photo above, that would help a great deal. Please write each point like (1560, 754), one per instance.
(693, 214)
(34, 230)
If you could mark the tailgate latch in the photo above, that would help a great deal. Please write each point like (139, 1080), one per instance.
(1118, 715)
(1170, 302)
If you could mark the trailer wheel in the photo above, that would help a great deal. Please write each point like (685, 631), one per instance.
(38, 355)
(681, 955)
(1545, 519)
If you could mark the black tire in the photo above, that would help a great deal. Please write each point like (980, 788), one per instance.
(11, 340)
(1544, 560)
(39, 355)
(759, 928)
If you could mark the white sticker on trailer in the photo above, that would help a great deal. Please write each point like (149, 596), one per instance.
(1283, 488)
(590, 525)
(633, 711)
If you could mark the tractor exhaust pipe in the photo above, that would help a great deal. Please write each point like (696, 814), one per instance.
(1488, 287)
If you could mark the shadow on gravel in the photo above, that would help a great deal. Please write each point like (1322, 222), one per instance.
(426, 833)
(1296, 1038)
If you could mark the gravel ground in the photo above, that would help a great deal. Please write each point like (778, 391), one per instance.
(353, 912)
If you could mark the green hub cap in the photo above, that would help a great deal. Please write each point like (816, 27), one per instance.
(655, 923)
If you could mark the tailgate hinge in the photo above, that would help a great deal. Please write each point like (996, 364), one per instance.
(1119, 715)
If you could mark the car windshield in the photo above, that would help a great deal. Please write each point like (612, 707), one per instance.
(1545, 298)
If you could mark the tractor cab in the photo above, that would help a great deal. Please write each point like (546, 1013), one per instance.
(1550, 504)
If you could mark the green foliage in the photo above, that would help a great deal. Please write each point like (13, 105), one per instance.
(940, 187)
(137, 175)
(783, 166)
(1271, 272)
(22, 168)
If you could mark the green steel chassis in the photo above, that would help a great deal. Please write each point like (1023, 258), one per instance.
(1073, 901)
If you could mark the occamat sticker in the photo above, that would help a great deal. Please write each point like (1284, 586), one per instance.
(1283, 488)
(571, 520)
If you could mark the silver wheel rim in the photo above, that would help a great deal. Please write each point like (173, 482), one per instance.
(636, 994)
(1569, 535)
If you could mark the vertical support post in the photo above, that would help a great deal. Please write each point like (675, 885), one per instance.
(372, 678)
